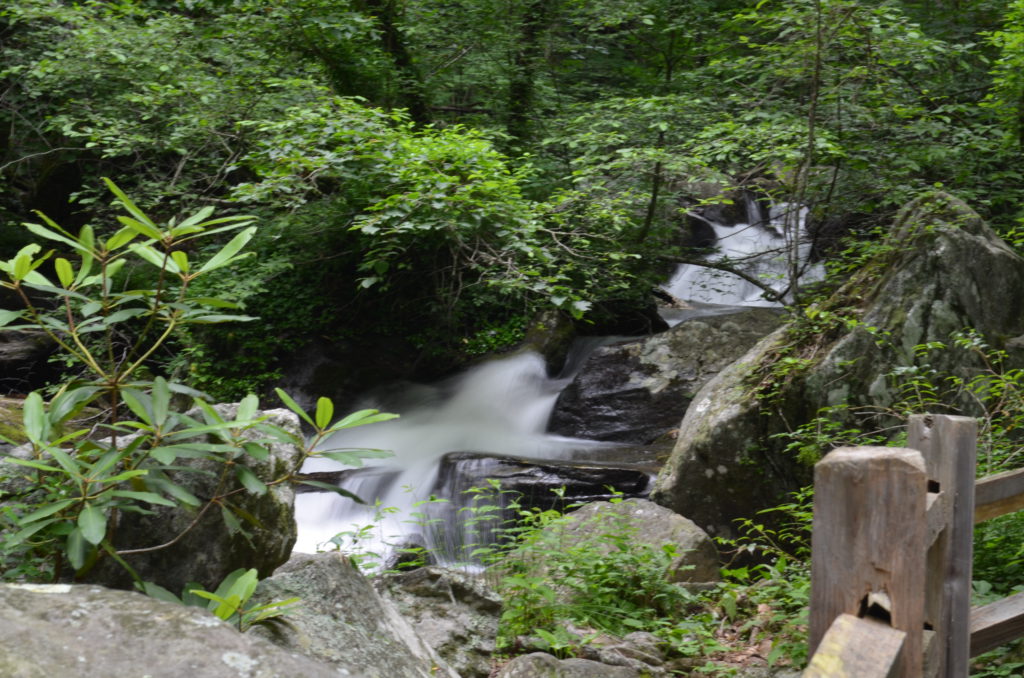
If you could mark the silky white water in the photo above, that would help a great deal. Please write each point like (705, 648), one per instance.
(760, 250)
(500, 407)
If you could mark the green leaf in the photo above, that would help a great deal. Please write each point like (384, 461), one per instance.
(221, 318)
(33, 414)
(8, 317)
(166, 455)
(159, 592)
(132, 207)
(181, 259)
(227, 254)
(31, 463)
(161, 401)
(45, 511)
(245, 585)
(180, 493)
(44, 232)
(22, 266)
(35, 527)
(324, 412)
(293, 406)
(186, 225)
(230, 521)
(121, 238)
(92, 522)
(250, 481)
(158, 259)
(256, 451)
(247, 407)
(139, 403)
(68, 403)
(65, 273)
(332, 488)
(77, 548)
(127, 475)
(148, 497)
(141, 228)
(362, 418)
(346, 455)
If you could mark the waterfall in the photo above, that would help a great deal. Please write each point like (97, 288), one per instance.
(500, 407)
(757, 247)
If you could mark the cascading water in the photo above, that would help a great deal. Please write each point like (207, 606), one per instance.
(502, 407)
(499, 407)
(759, 248)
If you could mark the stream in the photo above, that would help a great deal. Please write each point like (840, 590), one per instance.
(501, 407)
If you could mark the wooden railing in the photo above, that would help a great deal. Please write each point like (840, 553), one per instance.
(891, 557)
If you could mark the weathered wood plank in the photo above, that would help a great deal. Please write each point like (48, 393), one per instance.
(998, 495)
(948, 445)
(869, 536)
(857, 647)
(997, 623)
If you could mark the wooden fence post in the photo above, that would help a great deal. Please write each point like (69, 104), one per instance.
(949, 447)
(868, 550)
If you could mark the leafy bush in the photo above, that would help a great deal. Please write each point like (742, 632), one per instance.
(64, 499)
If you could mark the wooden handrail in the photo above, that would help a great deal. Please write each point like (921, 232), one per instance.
(998, 495)
(997, 623)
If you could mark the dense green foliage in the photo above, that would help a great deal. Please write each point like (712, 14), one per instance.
(437, 172)
(114, 440)
(432, 168)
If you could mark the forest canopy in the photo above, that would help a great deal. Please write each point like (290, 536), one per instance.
(443, 169)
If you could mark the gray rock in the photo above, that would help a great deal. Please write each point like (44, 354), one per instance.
(72, 630)
(635, 391)
(646, 523)
(456, 613)
(209, 551)
(534, 482)
(946, 271)
(719, 470)
(541, 665)
(23, 360)
(344, 622)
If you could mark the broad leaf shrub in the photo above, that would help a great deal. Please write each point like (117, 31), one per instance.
(68, 490)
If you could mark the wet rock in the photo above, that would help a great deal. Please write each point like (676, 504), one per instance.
(74, 630)
(454, 612)
(635, 391)
(535, 481)
(344, 622)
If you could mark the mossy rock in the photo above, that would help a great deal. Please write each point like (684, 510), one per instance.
(10, 420)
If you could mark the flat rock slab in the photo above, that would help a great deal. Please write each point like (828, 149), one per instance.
(541, 665)
(53, 631)
(344, 622)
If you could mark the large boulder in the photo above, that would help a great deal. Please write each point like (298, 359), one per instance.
(541, 665)
(455, 612)
(635, 391)
(645, 523)
(209, 549)
(344, 622)
(73, 630)
(944, 270)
